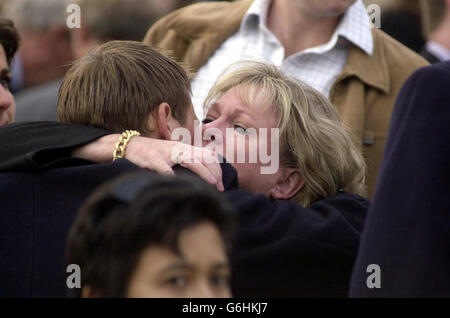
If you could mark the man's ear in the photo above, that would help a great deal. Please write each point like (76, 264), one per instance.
(165, 121)
(288, 185)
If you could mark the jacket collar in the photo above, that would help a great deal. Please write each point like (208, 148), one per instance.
(372, 70)
(208, 19)
(210, 28)
(206, 25)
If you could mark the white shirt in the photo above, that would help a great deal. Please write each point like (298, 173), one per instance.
(438, 50)
(318, 66)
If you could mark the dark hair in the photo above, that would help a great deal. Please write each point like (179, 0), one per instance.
(127, 215)
(117, 85)
(9, 38)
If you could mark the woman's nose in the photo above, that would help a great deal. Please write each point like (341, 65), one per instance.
(209, 133)
(212, 133)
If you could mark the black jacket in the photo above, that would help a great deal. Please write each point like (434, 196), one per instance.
(36, 211)
(408, 226)
(282, 249)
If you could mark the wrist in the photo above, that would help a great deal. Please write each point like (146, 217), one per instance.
(100, 151)
(121, 146)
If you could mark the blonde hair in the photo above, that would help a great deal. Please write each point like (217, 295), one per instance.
(312, 136)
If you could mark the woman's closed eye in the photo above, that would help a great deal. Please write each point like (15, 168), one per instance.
(240, 129)
(206, 121)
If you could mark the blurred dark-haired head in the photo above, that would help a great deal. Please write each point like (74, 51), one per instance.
(9, 38)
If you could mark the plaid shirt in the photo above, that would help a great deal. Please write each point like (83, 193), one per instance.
(318, 66)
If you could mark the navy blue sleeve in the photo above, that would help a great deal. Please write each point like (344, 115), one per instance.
(39, 145)
(408, 227)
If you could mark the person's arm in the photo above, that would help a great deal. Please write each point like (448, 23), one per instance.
(41, 145)
(157, 155)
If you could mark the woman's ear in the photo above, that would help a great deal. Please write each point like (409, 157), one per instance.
(288, 185)
(165, 123)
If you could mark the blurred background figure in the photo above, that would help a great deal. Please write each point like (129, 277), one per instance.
(406, 232)
(401, 19)
(107, 20)
(145, 235)
(2, 2)
(45, 45)
(43, 56)
(49, 45)
(9, 43)
(436, 28)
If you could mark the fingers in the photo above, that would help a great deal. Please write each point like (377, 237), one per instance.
(201, 170)
(205, 173)
(160, 166)
(214, 167)
(216, 172)
(161, 155)
(193, 157)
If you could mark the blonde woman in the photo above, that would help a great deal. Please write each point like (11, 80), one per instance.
(299, 225)
(317, 157)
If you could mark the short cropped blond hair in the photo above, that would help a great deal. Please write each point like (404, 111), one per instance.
(313, 139)
(117, 85)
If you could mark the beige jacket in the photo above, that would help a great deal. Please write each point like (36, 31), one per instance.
(364, 92)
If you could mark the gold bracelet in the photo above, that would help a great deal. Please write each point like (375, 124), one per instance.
(119, 151)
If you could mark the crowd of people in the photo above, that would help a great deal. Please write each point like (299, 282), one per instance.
(248, 148)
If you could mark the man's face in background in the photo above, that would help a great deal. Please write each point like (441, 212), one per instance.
(323, 8)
